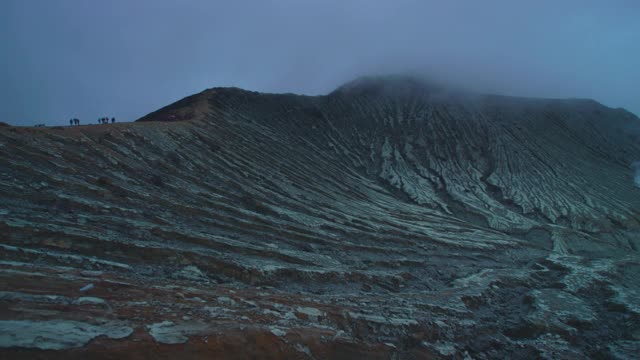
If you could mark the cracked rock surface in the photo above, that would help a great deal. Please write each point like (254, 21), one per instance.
(389, 219)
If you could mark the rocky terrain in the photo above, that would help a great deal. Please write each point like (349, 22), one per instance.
(389, 219)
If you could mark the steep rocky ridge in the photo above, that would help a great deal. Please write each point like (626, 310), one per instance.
(389, 218)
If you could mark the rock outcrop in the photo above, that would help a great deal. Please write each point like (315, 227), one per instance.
(387, 219)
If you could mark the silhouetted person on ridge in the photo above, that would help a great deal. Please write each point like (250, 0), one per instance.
(113, 120)
(71, 122)
(77, 121)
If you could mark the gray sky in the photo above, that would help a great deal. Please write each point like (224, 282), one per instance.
(126, 58)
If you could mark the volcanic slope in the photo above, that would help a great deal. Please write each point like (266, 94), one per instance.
(389, 218)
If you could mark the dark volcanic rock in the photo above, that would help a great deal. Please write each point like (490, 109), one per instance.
(388, 219)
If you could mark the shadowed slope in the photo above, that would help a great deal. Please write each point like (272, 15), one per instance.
(388, 205)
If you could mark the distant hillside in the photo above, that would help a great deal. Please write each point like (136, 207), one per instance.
(391, 218)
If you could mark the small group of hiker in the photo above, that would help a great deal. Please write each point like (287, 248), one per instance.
(102, 120)
(105, 120)
(76, 121)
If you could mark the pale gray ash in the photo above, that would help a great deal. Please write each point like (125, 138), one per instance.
(389, 219)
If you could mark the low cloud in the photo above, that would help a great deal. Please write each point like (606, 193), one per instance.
(56, 64)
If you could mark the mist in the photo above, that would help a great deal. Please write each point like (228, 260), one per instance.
(88, 59)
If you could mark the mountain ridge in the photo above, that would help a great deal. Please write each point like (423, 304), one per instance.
(395, 83)
(372, 223)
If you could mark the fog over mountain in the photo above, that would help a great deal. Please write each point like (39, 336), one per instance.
(319, 180)
(390, 219)
(74, 58)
